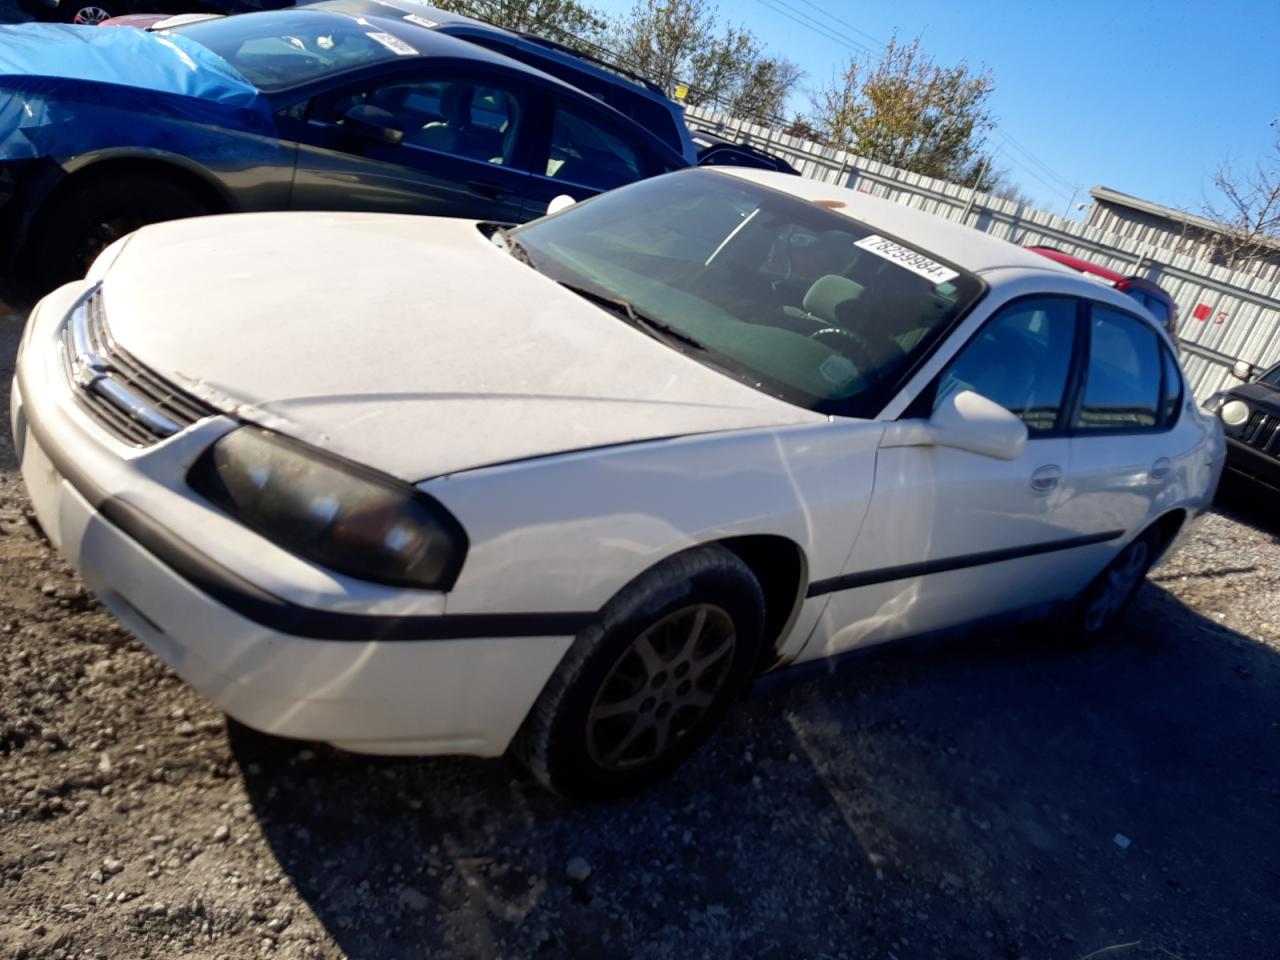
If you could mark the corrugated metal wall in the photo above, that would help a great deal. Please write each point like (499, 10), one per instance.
(1150, 228)
(1224, 315)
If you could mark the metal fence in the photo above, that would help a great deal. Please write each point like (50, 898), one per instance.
(1224, 315)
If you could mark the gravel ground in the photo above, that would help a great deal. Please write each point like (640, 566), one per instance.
(1000, 796)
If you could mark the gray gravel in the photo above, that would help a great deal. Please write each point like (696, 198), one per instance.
(960, 800)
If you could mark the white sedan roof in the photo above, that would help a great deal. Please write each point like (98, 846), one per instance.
(964, 246)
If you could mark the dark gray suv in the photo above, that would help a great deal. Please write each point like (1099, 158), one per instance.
(321, 111)
(1250, 415)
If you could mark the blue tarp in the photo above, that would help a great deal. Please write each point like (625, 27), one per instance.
(63, 87)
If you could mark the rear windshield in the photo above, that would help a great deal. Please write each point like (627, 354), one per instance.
(280, 49)
(793, 299)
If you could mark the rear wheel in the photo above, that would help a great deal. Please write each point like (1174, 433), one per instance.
(1111, 592)
(640, 689)
(80, 221)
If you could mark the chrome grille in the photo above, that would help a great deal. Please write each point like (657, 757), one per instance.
(128, 400)
(1261, 432)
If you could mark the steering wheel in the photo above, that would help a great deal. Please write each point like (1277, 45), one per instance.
(862, 354)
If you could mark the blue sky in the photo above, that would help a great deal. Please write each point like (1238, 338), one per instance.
(1143, 97)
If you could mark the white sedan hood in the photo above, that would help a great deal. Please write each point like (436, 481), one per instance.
(411, 344)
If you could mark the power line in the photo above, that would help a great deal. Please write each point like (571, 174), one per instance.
(1026, 152)
(811, 24)
(844, 23)
(1030, 163)
(1028, 171)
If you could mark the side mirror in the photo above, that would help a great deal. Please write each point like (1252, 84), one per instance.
(562, 202)
(963, 421)
(1242, 370)
(373, 123)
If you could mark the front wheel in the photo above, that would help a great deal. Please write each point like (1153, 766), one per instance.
(80, 221)
(642, 687)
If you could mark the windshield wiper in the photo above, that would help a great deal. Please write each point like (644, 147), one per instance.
(659, 329)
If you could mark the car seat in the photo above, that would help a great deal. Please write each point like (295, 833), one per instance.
(818, 308)
(448, 134)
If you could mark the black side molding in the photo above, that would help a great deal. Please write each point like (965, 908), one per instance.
(866, 578)
(275, 613)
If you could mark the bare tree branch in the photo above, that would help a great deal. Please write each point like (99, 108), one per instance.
(1248, 209)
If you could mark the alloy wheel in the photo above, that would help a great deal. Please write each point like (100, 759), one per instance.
(660, 687)
(1118, 584)
(90, 15)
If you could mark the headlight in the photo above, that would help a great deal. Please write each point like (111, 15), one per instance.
(336, 513)
(1234, 412)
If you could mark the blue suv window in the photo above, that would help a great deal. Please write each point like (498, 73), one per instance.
(654, 116)
(582, 151)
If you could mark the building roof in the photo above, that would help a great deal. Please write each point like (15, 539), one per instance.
(1117, 199)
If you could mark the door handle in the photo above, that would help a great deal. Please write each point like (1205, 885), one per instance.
(1046, 478)
(487, 188)
(1160, 469)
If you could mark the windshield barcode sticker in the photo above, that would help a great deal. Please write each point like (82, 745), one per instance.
(421, 21)
(393, 43)
(907, 258)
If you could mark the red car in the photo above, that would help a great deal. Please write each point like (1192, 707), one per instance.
(1144, 291)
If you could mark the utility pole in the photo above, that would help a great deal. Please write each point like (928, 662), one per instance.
(973, 190)
(1072, 202)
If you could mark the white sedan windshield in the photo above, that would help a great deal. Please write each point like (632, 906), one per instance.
(793, 298)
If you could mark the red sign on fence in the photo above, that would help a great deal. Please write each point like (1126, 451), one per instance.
(1202, 311)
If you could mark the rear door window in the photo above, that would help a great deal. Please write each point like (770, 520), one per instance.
(1122, 382)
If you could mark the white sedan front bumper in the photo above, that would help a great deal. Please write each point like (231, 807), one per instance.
(280, 644)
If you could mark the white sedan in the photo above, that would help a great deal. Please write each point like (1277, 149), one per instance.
(424, 486)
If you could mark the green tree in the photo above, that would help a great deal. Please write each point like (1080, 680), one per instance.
(908, 111)
(682, 42)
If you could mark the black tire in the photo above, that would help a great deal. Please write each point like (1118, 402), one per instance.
(79, 221)
(1109, 594)
(566, 744)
